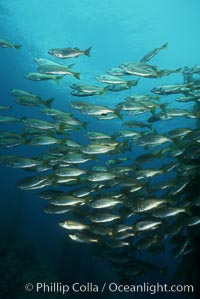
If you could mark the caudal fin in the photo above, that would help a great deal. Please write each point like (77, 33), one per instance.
(49, 102)
(17, 46)
(77, 75)
(57, 79)
(164, 46)
(71, 65)
(87, 51)
(117, 112)
(104, 90)
(178, 70)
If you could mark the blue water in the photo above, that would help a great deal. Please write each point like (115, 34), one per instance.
(118, 31)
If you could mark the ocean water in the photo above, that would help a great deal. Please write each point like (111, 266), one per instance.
(33, 247)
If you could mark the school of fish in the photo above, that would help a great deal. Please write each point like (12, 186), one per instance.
(125, 192)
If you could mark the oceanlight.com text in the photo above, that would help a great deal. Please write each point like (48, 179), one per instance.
(112, 287)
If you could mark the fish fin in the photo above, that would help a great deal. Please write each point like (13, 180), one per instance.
(126, 146)
(104, 90)
(153, 110)
(71, 65)
(129, 84)
(87, 51)
(77, 75)
(178, 70)
(49, 102)
(17, 46)
(157, 98)
(164, 46)
(134, 82)
(159, 154)
(84, 124)
(163, 107)
(117, 112)
(188, 211)
(154, 68)
(57, 79)
(160, 73)
(24, 118)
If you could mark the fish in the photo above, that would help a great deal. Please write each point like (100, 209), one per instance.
(44, 61)
(97, 135)
(142, 97)
(83, 238)
(143, 205)
(141, 71)
(38, 123)
(108, 79)
(143, 225)
(100, 176)
(154, 139)
(7, 44)
(129, 185)
(85, 89)
(122, 86)
(169, 72)
(53, 69)
(117, 71)
(64, 53)
(152, 53)
(9, 119)
(34, 182)
(33, 101)
(136, 124)
(27, 98)
(93, 149)
(102, 217)
(193, 70)
(73, 225)
(66, 200)
(76, 158)
(3, 107)
(52, 209)
(172, 89)
(97, 110)
(168, 212)
(102, 203)
(69, 171)
(11, 142)
(42, 77)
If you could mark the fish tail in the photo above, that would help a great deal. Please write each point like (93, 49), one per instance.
(178, 70)
(84, 124)
(117, 112)
(87, 51)
(57, 79)
(104, 90)
(129, 84)
(153, 110)
(188, 211)
(163, 107)
(77, 75)
(71, 65)
(49, 102)
(157, 98)
(17, 46)
(160, 73)
(134, 82)
(164, 46)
